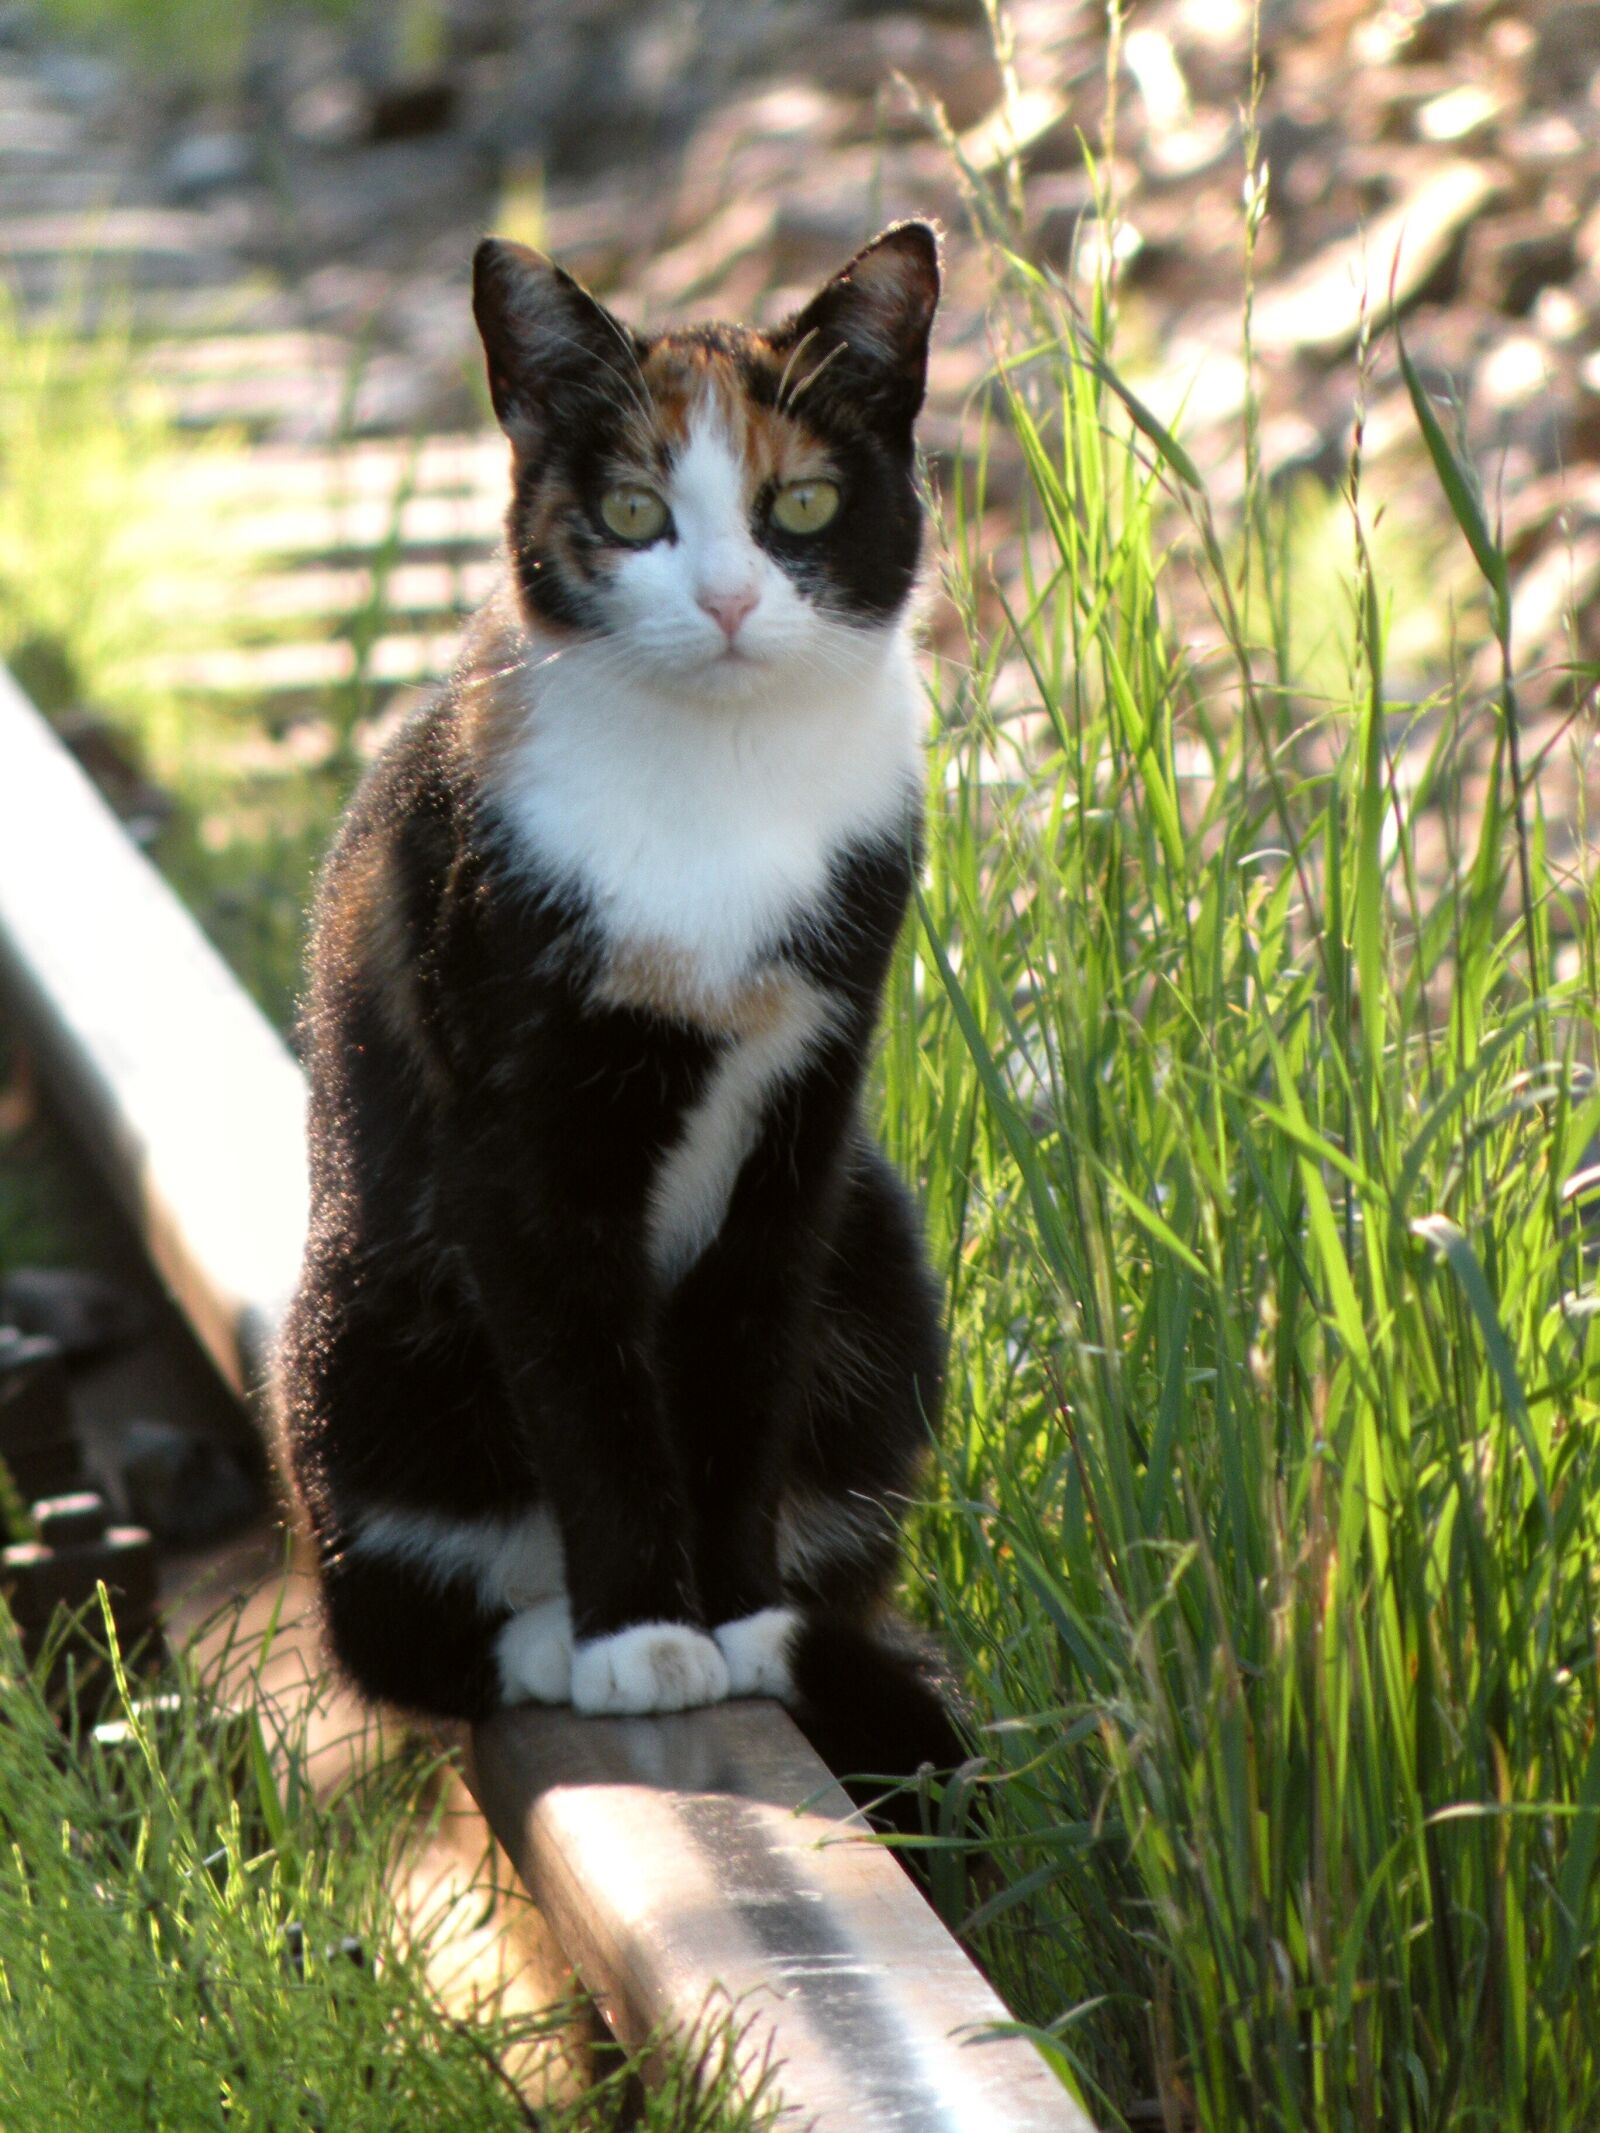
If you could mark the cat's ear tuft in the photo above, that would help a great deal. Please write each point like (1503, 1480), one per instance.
(871, 322)
(545, 338)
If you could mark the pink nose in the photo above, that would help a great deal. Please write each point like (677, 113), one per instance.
(728, 609)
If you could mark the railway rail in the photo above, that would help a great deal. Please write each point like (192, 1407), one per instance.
(681, 1862)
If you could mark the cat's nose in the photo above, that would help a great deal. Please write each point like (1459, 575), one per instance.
(728, 609)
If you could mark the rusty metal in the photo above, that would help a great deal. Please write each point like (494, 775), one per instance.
(708, 1863)
(151, 1047)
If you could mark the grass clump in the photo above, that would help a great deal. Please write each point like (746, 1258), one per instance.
(83, 533)
(199, 43)
(1244, 1050)
(191, 1936)
(99, 525)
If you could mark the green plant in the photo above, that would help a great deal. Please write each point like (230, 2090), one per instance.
(192, 41)
(191, 1935)
(112, 564)
(83, 532)
(1274, 1473)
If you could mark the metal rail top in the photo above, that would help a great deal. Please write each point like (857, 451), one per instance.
(682, 1862)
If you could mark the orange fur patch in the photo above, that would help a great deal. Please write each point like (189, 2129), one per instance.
(655, 978)
(684, 380)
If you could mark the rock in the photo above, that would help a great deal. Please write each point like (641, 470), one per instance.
(83, 1314)
(39, 1442)
(1298, 151)
(187, 1487)
(1562, 582)
(1543, 145)
(1510, 258)
(1036, 128)
(205, 163)
(77, 1548)
(1586, 244)
(1057, 202)
(400, 110)
(813, 237)
(78, 78)
(1461, 116)
(1441, 27)
(952, 66)
(1557, 315)
(1586, 412)
(1320, 309)
(1565, 54)
(1514, 372)
(329, 114)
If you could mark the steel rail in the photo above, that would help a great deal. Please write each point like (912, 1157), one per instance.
(687, 1863)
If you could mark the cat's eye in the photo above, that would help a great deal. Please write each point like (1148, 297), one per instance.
(634, 514)
(805, 506)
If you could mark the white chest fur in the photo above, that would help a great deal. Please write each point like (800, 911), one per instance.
(697, 1177)
(700, 834)
(708, 828)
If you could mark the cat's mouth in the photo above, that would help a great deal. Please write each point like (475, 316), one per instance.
(736, 658)
(730, 674)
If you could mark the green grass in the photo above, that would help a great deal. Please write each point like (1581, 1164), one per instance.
(175, 1913)
(1271, 1507)
(205, 45)
(200, 43)
(96, 526)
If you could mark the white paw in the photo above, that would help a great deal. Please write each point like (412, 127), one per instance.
(534, 1650)
(654, 1666)
(757, 1648)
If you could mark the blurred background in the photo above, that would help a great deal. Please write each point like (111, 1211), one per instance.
(247, 479)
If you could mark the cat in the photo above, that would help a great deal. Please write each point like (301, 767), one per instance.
(616, 1351)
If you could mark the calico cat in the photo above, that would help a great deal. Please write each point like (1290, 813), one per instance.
(615, 1350)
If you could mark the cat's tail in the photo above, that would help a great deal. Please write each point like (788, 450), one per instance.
(873, 1708)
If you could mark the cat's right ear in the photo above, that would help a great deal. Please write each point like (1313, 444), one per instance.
(545, 338)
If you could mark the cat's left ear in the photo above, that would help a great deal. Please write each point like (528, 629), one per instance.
(548, 343)
(870, 324)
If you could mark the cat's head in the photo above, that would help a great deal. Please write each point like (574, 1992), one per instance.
(720, 504)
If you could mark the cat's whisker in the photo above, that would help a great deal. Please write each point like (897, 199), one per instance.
(635, 390)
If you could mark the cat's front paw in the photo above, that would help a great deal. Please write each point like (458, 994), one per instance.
(653, 1666)
(534, 1653)
(757, 1649)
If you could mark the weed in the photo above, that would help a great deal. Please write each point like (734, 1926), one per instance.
(1243, 1056)
(192, 1935)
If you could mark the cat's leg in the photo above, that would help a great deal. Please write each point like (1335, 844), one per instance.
(805, 1391)
(441, 1571)
(490, 1585)
(569, 1324)
(867, 1692)
(429, 1642)
(731, 1348)
(871, 1400)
